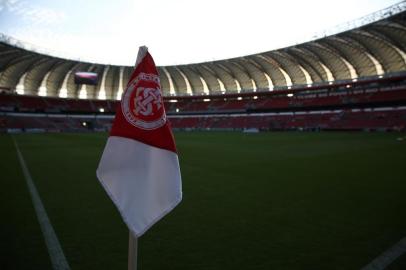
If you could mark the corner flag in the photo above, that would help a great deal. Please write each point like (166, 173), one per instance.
(139, 168)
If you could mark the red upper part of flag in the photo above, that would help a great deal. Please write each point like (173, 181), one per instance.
(141, 113)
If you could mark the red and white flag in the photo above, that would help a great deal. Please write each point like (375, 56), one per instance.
(139, 168)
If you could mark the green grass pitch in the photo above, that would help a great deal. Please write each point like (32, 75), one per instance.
(251, 201)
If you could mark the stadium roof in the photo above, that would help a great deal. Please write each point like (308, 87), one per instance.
(374, 49)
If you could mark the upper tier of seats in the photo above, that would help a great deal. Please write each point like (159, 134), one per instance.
(367, 93)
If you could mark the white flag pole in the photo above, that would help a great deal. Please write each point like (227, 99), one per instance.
(142, 51)
(132, 252)
(132, 239)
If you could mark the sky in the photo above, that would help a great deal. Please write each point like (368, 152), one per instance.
(175, 31)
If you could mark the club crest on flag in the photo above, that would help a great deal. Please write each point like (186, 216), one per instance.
(142, 103)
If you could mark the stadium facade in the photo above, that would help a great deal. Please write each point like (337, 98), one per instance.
(374, 49)
(355, 79)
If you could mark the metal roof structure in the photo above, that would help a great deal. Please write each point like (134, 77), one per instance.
(376, 48)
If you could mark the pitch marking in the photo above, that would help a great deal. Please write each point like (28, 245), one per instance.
(387, 257)
(55, 251)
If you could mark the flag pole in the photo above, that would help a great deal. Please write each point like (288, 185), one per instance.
(132, 251)
(132, 239)
(141, 53)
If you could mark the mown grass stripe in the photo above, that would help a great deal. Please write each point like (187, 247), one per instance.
(55, 251)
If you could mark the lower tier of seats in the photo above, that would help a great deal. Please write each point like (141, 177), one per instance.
(387, 118)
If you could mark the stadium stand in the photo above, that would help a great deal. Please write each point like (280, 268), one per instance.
(354, 80)
(371, 104)
(368, 119)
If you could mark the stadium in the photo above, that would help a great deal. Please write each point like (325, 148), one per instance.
(292, 158)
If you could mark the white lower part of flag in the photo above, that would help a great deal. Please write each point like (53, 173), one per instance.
(143, 181)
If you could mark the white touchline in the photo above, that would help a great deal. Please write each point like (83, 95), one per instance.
(387, 257)
(55, 251)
